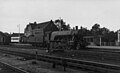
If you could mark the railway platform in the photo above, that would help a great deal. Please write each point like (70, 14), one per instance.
(105, 47)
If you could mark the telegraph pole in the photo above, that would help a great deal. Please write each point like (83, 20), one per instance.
(60, 24)
(100, 40)
(19, 32)
(118, 37)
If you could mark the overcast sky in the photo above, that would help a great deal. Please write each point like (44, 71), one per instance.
(75, 12)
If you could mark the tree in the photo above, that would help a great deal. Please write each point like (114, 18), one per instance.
(84, 31)
(107, 35)
(95, 29)
(104, 31)
(62, 25)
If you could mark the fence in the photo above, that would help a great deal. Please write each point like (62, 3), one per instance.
(108, 44)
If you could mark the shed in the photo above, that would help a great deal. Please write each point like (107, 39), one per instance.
(4, 38)
(16, 37)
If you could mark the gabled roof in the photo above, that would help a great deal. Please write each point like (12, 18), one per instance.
(44, 24)
(1, 33)
(6, 34)
(33, 25)
(39, 25)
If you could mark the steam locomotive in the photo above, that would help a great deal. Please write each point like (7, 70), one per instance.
(67, 40)
(70, 39)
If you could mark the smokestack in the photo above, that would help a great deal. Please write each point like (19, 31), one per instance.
(35, 23)
(76, 27)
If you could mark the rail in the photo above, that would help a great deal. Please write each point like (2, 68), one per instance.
(15, 69)
(69, 62)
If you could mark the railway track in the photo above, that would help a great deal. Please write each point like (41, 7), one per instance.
(89, 49)
(68, 62)
(23, 46)
(6, 68)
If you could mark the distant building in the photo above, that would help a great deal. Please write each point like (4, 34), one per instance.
(92, 40)
(4, 38)
(16, 37)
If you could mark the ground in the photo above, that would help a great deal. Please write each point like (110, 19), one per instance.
(40, 67)
(109, 56)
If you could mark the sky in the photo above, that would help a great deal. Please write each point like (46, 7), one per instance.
(74, 12)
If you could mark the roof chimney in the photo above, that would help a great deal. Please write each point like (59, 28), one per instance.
(76, 27)
(35, 22)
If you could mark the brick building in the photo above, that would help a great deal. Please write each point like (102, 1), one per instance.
(39, 32)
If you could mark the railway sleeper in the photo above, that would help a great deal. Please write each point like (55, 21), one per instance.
(63, 63)
(55, 62)
(96, 69)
